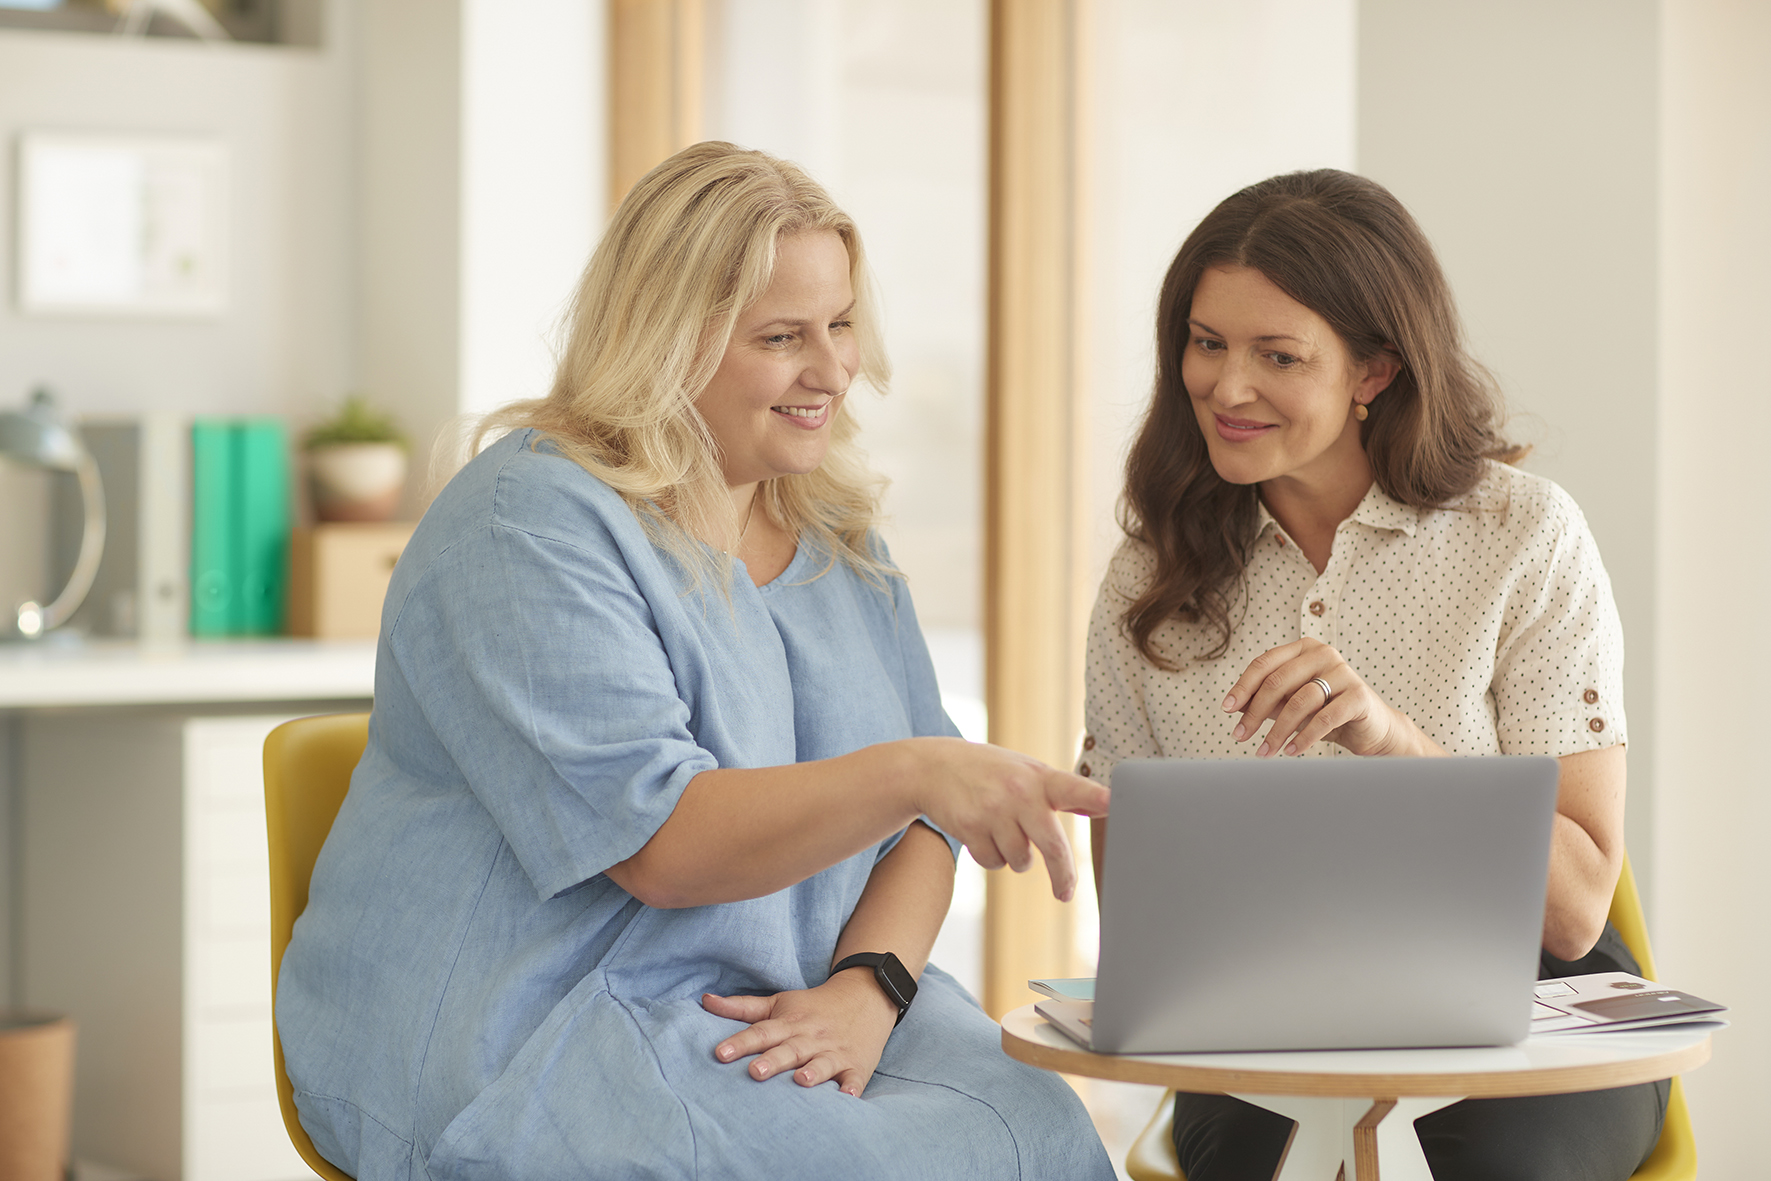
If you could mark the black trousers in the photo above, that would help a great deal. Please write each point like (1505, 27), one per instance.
(1584, 1136)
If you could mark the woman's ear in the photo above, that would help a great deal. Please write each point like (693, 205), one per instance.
(1380, 371)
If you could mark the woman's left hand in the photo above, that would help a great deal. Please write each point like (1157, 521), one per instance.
(834, 1031)
(1280, 685)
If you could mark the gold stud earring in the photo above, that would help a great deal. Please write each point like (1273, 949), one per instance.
(1360, 412)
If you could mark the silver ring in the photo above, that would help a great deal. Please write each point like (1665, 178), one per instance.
(1323, 685)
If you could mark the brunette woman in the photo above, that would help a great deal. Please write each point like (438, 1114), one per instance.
(1328, 553)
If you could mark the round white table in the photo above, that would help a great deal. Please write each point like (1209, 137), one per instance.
(1354, 1106)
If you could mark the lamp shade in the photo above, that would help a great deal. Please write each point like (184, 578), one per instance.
(36, 436)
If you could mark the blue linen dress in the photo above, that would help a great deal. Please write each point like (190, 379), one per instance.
(469, 996)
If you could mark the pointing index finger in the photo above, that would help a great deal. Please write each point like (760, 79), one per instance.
(1073, 793)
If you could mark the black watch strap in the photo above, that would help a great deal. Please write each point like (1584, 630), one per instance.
(894, 978)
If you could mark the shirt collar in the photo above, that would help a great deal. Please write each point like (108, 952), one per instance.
(1381, 512)
(1377, 510)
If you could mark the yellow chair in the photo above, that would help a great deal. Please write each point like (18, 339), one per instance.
(1152, 1156)
(307, 770)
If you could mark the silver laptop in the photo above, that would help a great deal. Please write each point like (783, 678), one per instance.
(1310, 904)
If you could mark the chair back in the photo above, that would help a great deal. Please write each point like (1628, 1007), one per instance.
(307, 771)
(1675, 1156)
(1626, 916)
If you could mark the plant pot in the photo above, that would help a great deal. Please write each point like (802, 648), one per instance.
(357, 481)
(36, 1095)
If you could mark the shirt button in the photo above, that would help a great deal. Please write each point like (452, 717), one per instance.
(1596, 725)
(1084, 771)
(1318, 607)
(1591, 697)
(1088, 742)
(1279, 537)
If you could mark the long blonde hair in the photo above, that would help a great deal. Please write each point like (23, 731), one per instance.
(692, 245)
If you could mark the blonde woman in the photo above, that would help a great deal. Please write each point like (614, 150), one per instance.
(641, 869)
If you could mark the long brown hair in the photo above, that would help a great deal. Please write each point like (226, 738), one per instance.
(1345, 248)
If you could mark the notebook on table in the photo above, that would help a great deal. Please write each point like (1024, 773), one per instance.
(1311, 904)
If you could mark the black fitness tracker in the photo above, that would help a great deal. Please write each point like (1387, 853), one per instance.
(894, 978)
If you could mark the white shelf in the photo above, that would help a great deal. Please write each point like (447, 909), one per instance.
(117, 673)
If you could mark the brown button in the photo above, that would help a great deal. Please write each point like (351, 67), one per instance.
(1084, 771)
(1088, 742)
(1591, 697)
(1596, 725)
(1318, 607)
(1279, 537)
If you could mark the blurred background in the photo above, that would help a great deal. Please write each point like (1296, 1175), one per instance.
(393, 198)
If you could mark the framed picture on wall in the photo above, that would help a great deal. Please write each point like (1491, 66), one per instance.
(122, 225)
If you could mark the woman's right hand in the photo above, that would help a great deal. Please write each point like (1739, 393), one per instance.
(1002, 805)
(1310, 693)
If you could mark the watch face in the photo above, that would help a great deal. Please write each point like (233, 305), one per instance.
(898, 980)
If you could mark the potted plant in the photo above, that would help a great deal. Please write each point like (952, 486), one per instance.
(357, 463)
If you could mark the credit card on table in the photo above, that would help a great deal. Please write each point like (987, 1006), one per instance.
(1635, 1006)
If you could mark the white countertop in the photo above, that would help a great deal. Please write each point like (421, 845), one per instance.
(57, 672)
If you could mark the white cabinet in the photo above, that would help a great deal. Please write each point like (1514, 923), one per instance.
(144, 911)
(233, 1129)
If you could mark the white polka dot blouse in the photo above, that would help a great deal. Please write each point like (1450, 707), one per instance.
(1490, 623)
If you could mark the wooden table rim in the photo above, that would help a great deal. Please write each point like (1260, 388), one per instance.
(1175, 1072)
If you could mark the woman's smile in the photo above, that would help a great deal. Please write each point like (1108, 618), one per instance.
(1237, 430)
(808, 418)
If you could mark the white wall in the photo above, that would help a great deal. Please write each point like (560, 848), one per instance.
(482, 157)
(287, 339)
(1714, 805)
(408, 198)
(1523, 137)
(533, 163)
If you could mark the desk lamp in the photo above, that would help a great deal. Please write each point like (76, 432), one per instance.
(38, 438)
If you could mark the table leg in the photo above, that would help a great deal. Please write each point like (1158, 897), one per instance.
(1347, 1137)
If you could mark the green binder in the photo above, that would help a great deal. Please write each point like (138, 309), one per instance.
(239, 526)
(215, 565)
(261, 475)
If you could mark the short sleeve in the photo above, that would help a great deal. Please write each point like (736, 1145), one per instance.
(537, 665)
(1116, 725)
(1558, 674)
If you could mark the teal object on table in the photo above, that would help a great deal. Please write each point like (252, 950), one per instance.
(239, 526)
(214, 562)
(261, 473)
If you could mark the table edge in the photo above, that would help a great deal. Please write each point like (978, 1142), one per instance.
(1381, 1084)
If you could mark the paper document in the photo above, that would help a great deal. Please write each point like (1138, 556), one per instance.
(1612, 1001)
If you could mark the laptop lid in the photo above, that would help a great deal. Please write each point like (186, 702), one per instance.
(1297, 904)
